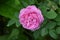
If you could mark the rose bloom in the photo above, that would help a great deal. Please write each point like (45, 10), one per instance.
(31, 18)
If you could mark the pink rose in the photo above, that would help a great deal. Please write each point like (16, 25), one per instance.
(31, 18)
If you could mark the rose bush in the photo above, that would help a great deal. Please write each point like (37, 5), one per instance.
(29, 19)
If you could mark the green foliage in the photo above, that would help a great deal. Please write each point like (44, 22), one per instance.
(3, 37)
(58, 30)
(58, 18)
(11, 22)
(58, 23)
(36, 34)
(51, 25)
(14, 34)
(44, 32)
(51, 14)
(53, 34)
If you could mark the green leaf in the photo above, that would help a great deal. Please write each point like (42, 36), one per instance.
(27, 2)
(22, 35)
(53, 34)
(43, 8)
(11, 22)
(17, 2)
(14, 34)
(10, 8)
(36, 34)
(52, 5)
(58, 17)
(17, 20)
(51, 14)
(24, 3)
(17, 24)
(14, 21)
(31, 1)
(7, 11)
(59, 2)
(44, 31)
(58, 11)
(51, 25)
(58, 30)
(44, 23)
(58, 23)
